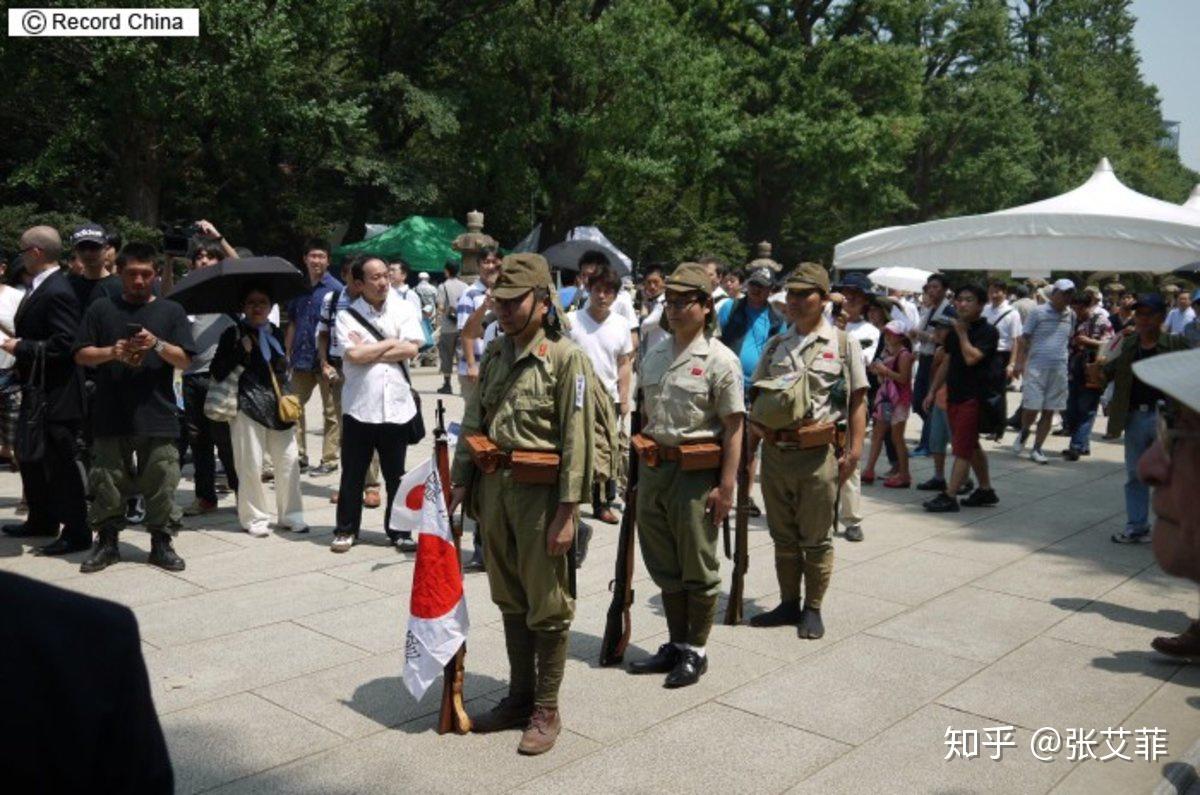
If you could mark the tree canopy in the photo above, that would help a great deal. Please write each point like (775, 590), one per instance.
(679, 126)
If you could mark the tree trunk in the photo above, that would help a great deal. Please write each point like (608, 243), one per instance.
(140, 172)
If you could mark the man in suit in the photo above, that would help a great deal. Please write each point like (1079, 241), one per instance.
(62, 732)
(48, 320)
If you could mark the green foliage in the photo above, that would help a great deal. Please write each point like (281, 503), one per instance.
(679, 126)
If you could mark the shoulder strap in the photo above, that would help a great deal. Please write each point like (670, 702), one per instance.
(379, 337)
(1005, 314)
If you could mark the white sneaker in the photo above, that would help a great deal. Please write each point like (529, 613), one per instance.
(1037, 456)
(341, 543)
(259, 530)
(1018, 444)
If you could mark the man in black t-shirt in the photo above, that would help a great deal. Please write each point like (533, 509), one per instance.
(970, 375)
(134, 343)
(89, 278)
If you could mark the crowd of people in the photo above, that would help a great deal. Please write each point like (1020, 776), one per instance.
(106, 384)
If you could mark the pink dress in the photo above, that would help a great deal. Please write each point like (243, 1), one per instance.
(893, 401)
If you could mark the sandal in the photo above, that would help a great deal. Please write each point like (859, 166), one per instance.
(897, 482)
(868, 477)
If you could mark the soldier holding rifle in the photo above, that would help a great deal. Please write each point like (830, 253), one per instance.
(523, 464)
(689, 449)
(809, 381)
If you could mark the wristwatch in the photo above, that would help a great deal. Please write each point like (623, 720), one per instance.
(159, 345)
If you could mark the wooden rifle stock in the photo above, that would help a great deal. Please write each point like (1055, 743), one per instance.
(618, 624)
(453, 716)
(741, 542)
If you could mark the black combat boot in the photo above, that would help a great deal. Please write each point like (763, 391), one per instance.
(104, 553)
(162, 554)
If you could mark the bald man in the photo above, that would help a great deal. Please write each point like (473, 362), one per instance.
(46, 323)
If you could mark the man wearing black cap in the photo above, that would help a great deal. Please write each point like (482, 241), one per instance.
(89, 275)
(1134, 407)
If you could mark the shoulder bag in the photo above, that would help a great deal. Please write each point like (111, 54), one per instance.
(30, 441)
(221, 401)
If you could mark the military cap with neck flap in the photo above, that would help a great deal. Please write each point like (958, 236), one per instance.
(688, 277)
(520, 273)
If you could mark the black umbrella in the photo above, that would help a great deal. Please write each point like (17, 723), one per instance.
(219, 288)
(565, 256)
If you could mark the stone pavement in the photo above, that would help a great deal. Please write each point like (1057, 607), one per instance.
(276, 665)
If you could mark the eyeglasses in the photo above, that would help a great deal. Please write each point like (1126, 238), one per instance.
(1168, 434)
(680, 304)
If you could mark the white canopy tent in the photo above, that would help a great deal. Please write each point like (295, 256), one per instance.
(1100, 226)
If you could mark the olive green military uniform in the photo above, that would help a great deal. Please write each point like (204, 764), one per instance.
(800, 486)
(686, 396)
(530, 399)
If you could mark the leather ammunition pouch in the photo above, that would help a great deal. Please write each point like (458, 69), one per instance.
(528, 466)
(535, 467)
(484, 453)
(691, 456)
(804, 437)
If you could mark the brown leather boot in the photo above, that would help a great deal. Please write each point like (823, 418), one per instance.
(543, 729)
(510, 713)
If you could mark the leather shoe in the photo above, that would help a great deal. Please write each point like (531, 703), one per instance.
(661, 662)
(24, 530)
(63, 546)
(688, 670)
(104, 554)
(606, 515)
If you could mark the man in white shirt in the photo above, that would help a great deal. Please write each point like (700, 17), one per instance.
(653, 295)
(716, 269)
(606, 340)
(1004, 317)
(856, 289)
(398, 277)
(377, 333)
(1179, 317)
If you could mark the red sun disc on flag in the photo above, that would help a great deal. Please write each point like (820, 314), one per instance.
(437, 584)
(414, 498)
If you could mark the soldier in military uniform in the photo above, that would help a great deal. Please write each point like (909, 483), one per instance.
(533, 396)
(809, 380)
(693, 393)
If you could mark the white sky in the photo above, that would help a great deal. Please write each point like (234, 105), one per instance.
(1167, 38)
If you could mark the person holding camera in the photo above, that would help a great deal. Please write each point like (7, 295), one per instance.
(134, 343)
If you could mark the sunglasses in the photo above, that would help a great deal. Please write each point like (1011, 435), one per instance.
(1168, 433)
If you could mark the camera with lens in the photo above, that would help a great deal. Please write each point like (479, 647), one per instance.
(178, 237)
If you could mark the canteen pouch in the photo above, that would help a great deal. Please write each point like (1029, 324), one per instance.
(646, 448)
(484, 452)
(535, 468)
(780, 402)
(698, 456)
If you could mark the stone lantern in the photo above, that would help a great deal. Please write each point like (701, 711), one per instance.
(763, 259)
(472, 242)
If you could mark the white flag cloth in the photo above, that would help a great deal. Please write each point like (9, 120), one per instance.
(437, 623)
(406, 508)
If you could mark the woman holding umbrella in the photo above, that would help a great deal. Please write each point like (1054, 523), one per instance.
(266, 413)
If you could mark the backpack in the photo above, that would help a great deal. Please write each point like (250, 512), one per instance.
(737, 323)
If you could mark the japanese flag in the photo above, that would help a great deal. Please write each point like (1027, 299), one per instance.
(406, 508)
(437, 623)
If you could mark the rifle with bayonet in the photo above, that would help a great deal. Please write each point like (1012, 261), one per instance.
(453, 716)
(618, 624)
(741, 546)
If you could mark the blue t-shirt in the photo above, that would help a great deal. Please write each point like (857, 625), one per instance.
(305, 311)
(758, 331)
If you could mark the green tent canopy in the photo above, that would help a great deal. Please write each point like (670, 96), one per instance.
(420, 240)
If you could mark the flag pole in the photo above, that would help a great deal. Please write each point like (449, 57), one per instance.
(453, 716)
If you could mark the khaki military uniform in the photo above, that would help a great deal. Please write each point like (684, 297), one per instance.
(531, 399)
(685, 398)
(800, 486)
